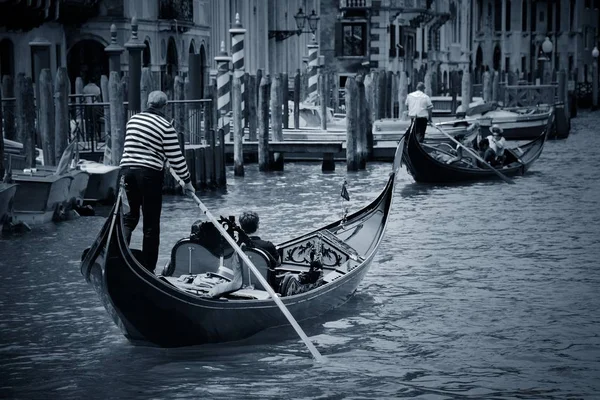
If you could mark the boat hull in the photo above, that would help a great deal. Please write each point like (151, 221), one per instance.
(40, 197)
(102, 185)
(151, 310)
(427, 169)
(7, 194)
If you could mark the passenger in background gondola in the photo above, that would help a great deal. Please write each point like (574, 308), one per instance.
(496, 145)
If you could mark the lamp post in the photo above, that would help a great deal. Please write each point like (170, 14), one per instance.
(595, 79)
(547, 48)
(301, 19)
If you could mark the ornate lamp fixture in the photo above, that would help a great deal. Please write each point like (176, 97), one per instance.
(301, 20)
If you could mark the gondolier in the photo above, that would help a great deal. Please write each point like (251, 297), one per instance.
(150, 140)
(420, 109)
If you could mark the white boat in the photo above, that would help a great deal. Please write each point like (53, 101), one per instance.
(393, 129)
(102, 186)
(523, 123)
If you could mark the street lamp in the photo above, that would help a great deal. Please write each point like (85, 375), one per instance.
(547, 48)
(595, 79)
(301, 20)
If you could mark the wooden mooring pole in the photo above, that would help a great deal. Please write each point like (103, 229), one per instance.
(62, 123)
(238, 127)
(352, 160)
(263, 124)
(276, 127)
(46, 116)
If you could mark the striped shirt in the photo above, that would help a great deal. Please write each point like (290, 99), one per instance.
(150, 140)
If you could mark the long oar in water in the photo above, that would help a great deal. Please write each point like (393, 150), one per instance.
(500, 174)
(315, 353)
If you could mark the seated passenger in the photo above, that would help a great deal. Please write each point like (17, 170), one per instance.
(249, 222)
(495, 152)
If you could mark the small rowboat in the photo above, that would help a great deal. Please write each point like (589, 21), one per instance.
(177, 309)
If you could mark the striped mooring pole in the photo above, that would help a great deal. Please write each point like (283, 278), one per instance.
(223, 88)
(237, 56)
(313, 64)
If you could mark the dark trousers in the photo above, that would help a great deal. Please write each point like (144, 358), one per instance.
(143, 187)
(421, 127)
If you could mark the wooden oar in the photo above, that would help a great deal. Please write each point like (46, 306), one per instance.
(315, 353)
(501, 175)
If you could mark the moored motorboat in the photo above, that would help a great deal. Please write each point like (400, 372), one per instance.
(172, 311)
(524, 123)
(102, 184)
(440, 164)
(394, 129)
(41, 196)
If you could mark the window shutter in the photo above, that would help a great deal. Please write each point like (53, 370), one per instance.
(339, 39)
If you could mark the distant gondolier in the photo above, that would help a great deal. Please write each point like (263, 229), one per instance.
(420, 109)
(150, 140)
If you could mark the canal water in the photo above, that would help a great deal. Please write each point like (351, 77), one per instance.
(478, 291)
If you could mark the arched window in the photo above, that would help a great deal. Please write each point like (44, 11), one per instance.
(7, 58)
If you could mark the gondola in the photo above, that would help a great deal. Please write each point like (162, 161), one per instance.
(430, 164)
(170, 310)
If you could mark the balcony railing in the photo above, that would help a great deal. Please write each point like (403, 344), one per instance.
(418, 5)
(345, 4)
(182, 10)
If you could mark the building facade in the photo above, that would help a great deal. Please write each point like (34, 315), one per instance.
(77, 32)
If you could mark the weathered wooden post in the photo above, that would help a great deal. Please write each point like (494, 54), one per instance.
(79, 112)
(402, 95)
(361, 123)
(381, 96)
(8, 89)
(496, 87)
(369, 110)
(117, 117)
(394, 94)
(389, 103)
(466, 89)
(297, 89)
(146, 86)
(375, 111)
(285, 97)
(40, 54)
(263, 124)
(134, 47)
(251, 99)
(25, 111)
(1, 141)
(323, 100)
(487, 86)
(238, 128)
(179, 96)
(561, 119)
(276, 120)
(352, 160)
(427, 82)
(105, 100)
(595, 75)
(195, 89)
(46, 116)
(62, 125)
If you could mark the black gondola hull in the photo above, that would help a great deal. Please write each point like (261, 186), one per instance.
(427, 169)
(152, 311)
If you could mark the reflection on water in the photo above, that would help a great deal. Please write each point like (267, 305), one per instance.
(483, 290)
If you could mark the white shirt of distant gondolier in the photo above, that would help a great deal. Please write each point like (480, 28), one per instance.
(497, 144)
(418, 103)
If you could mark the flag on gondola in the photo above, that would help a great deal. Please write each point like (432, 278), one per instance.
(345, 195)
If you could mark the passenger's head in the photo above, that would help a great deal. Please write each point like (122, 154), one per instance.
(496, 130)
(157, 99)
(249, 221)
(421, 86)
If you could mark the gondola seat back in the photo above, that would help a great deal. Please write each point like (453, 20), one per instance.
(262, 262)
(190, 257)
